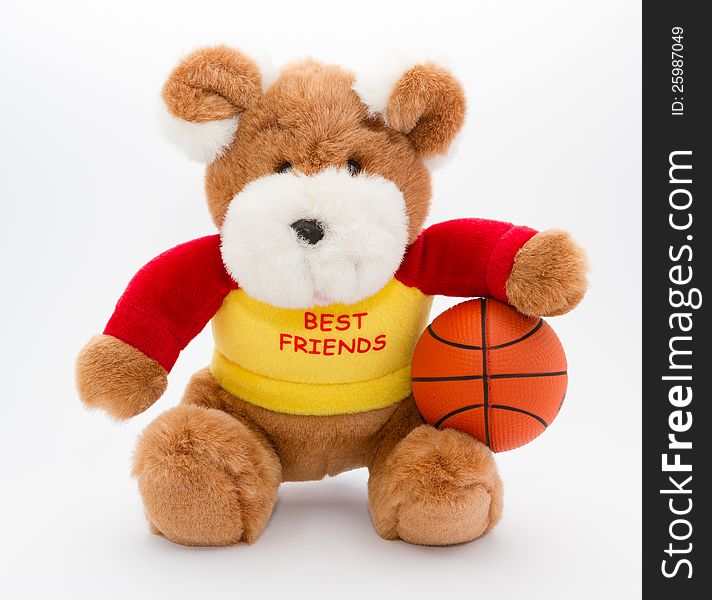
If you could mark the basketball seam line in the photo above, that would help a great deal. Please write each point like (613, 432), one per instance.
(452, 413)
(449, 343)
(457, 411)
(520, 410)
(485, 383)
(495, 376)
(561, 403)
(529, 333)
(517, 375)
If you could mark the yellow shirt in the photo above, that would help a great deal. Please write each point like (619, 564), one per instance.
(322, 361)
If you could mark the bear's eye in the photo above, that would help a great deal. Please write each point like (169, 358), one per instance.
(283, 167)
(354, 166)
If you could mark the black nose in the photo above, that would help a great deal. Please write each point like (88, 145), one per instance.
(309, 230)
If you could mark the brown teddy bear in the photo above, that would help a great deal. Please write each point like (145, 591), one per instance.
(318, 285)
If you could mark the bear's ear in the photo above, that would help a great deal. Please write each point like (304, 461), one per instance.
(424, 101)
(204, 96)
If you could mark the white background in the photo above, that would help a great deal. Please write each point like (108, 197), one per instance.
(89, 192)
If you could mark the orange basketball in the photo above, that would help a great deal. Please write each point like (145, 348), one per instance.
(485, 369)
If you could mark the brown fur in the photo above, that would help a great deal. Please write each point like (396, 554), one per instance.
(117, 377)
(205, 478)
(212, 83)
(336, 443)
(549, 275)
(436, 488)
(428, 105)
(209, 464)
(312, 118)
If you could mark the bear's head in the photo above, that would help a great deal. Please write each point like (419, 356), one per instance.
(316, 181)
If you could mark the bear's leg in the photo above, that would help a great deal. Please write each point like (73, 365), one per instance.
(432, 487)
(206, 478)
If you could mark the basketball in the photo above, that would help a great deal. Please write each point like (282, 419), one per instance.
(485, 369)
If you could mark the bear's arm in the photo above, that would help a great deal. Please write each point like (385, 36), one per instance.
(169, 301)
(464, 257)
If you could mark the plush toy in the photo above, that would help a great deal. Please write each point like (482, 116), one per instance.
(318, 285)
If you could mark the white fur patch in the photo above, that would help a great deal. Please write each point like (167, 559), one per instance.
(202, 142)
(268, 69)
(365, 236)
(375, 87)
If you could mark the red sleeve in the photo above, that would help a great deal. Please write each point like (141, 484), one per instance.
(169, 301)
(465, 257)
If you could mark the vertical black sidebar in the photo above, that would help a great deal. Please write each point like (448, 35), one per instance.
(677, 338)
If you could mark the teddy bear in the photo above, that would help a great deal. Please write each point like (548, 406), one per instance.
(318, 285)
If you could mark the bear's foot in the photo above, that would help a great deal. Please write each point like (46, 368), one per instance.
(206, 479)
(435, 488)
